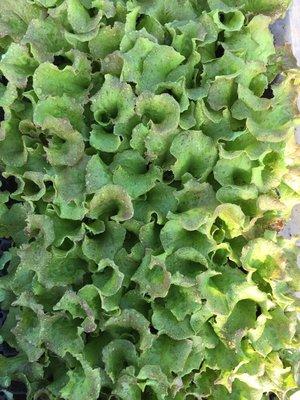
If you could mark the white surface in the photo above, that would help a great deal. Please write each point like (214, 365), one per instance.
(294, 22)
(295, 396)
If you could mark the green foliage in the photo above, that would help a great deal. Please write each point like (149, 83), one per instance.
(152, 172)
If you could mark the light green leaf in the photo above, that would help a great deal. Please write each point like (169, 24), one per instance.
(97, 174)
(79, 17)
(114, 102)
(83, 381)
(61, 335)
(169, 354)
(131, 173)
(130, 319)
(60, 107)
(66, 146)
(116, 355)
(195, 154)
(108, 200)
(152, 277)
(161, 112)
(104, 244)
(165, 322)
(107, 40)
(48, 80)
(108, 277)
(17, 65)
(45, 38)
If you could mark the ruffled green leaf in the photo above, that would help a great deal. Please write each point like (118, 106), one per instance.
(196, 195)
(107, 40)
(169, 11)
(183, 301)
(83, 381)
(275, 124)
(104, 244)
(152, 376)
(17, 65)
(232, 219)
(62, 108)
(134, 58)
(169, 354)
(66, 146)
(152, 277)
(108, 277)
(48, 80)
(233, 169)
(61, 335)
(167, 324)
(160, 200)
(11, 366)
(114, 103)
(103, 140)
(28, 334)
(233, 328)
(276, 333)
(221, 93)
(216, 125)
(244, 196)
(174, 236)
(270, 172)
(108, 200)
(69, 185)
(79, 17)
(16, 16)
(161, 112)
(116, 355)
(78, 308)
(195, 154)
(127, 386)
(185, 264)
(232, 19)
(12, 147)
(269, 265)
(130, 319)
(247, 43)
(147, 64)
(53, 269)
(45, 38)
(97, 174)
(13, 222)
(273, 7)
(131, 173)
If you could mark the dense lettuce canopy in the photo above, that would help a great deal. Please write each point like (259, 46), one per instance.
(148, 162)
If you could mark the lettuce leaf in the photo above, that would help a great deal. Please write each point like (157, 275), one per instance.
(148, 166)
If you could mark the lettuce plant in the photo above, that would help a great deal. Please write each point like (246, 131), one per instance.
(148, 162)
